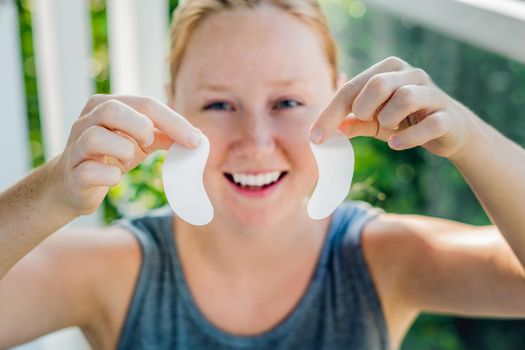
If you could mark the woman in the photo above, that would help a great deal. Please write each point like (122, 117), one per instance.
(256, 76)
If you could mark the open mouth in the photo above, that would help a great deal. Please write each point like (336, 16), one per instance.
(256, 182)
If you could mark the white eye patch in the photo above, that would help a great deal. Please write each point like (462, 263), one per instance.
(182, 175)
(183, 170)
(335, 160)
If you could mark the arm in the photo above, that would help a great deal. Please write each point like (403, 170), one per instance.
(112, 135)
(29, 213)
(394, 102)
(424, 264)
(440, 266)
(494, 167)
(79, 278)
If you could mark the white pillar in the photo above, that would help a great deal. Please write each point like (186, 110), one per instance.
(138, 42)
(62, 36)
(495, 25)
(14, 138)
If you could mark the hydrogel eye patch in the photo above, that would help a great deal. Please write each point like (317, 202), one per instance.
(182, 175)
(335, 160)
(183, 169)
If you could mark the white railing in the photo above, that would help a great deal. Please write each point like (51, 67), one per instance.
(137, 48)
(14, 150)
(495, 25)
(63, 42)
(138, 43)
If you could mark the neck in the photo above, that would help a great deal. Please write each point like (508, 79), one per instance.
(230, 248)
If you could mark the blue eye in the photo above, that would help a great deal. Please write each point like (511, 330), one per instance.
(218, 106)
(286, 104)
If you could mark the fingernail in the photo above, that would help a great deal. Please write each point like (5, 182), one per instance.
(195, 139)
(394, 142)
(316, 135)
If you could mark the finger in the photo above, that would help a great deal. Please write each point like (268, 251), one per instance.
(115, 115)
(98, 141)
(379, 89)
(432, 127)
(91, 173)
(340, 106)
(407, 100)
(164, 118)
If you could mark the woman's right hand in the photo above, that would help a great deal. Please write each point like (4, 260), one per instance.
(112, 136)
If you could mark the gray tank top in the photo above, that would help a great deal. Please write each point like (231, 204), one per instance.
(340, 308)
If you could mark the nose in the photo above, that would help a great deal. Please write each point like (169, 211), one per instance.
(257, 137)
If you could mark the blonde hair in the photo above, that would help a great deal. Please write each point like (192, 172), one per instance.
(190, 14)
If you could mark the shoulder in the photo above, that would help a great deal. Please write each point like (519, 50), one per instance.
(394, 246)
(391, 244)
(116, 253)
(390, 247)
(395, 242)
(89, 254)
(104, 263)
(397, 249)
(91, 250)
(77, 276)
(117, 270)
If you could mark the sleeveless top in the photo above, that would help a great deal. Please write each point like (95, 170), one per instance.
(340, 308)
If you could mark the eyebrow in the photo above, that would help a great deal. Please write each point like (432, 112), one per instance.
(213, 87)
(287, 82)
(223, 87)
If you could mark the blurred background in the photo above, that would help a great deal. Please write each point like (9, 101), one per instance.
(487, 76)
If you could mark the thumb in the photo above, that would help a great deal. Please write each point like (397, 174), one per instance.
(161, 141)
(352, 127)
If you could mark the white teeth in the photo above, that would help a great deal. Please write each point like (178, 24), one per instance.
(251, 180)
(256, 180)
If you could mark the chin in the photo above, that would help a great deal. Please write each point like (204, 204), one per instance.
(256, 218)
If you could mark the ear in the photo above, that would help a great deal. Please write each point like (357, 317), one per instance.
(170, 100)
(342, 78)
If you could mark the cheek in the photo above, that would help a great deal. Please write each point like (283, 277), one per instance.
(294, 136)
(213, 177)
(307, 163)
(218, 146)
(304, 167)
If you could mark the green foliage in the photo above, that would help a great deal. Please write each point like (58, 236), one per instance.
(29, 71)
(100, 57)
(141, 189)
(415, 181)
(412, 181)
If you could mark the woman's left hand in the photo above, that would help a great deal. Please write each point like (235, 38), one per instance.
(395, 102)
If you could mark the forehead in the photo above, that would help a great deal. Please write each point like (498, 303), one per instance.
(262, 44)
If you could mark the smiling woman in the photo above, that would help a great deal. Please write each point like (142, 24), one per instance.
(265, 106)
(259, 78)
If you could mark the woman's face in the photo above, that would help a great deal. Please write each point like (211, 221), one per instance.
(253, 80)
